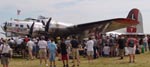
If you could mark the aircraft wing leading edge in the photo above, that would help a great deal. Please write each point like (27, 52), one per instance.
(101, 26)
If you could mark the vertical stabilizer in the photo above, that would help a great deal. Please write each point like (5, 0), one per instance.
(135, 14)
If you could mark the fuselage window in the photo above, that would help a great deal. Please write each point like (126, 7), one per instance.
(17, 25)
(10, 24)
(21, 26)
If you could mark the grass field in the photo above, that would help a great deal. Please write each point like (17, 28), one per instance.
(142, 60)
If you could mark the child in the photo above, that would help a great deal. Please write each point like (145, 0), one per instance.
(64, 53)
(52, 52)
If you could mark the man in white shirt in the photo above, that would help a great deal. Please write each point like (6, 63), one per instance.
(43, 50)
(145, 42)
(90, 50)
(5, 49)
(18, 46)
(30, 45)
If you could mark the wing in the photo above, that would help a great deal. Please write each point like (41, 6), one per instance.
(101, 26)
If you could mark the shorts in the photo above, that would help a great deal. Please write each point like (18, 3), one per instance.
(131, 50)
(121, 52)
(42, 52)
(90, 53)
(64, 57)
(75, 52)
(52, 56)
(4, 60)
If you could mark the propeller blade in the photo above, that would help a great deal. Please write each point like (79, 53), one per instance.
(5, 26)
(43, 22)
(47, 25)
(31, 29)
(28, 26)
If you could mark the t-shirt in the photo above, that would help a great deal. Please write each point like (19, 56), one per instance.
(19, 41)
(95, 42)
(90, 45)
(26, 40)
(145, 39)
(42, 44)
(121, 43)
(30, 44)
(106, 50)
(74, 43)
(52, 47)
(5, 48)
(111, 41)
(67, 42)
(131, 40)
(63, 48)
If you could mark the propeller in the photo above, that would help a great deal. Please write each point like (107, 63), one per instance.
(31, 29)
(47, 25)
(28, 26)
(5, 26)
(43, 22)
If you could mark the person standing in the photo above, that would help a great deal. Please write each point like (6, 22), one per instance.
(90, 49)
(43, 50)
(131, 43)
(68, 44)
(95, 47)
(64, 54)
(52, 49)
(145, 42)
(19, 44)
(121, 46)
(5, 51)
(75, 52)
(30, 45)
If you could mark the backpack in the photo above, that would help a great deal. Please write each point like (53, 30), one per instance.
(131, 43)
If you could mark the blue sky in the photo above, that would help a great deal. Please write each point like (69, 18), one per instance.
(74, 11)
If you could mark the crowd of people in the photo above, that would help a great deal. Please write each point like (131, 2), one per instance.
(72, 48)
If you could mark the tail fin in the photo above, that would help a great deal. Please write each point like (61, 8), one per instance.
(135, 14)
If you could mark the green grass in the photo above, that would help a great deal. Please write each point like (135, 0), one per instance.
(142, 60)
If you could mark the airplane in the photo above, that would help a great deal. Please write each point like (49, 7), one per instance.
(51, 28)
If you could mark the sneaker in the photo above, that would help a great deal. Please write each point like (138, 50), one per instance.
(78, 65)
(50, 65)
(54, 65)
(64, 66)
(46, 65)
(73, 65)
(67, 65)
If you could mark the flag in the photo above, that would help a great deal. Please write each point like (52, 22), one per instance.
(18, 12)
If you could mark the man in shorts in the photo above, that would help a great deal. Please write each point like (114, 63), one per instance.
(52, 49)
(64, 54)
(90, 50)
(5, 49)
(43, 50)
(75, 52)
(131, 43)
